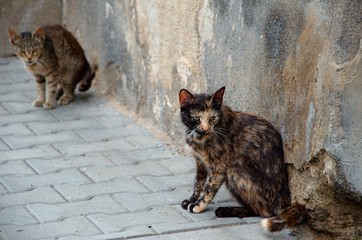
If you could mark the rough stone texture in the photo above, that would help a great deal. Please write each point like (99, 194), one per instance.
(296, 63)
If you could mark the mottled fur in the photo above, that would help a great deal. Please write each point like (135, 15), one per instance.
(56, 60)
(244, 151)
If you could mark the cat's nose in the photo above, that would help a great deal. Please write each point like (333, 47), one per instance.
(204, 127)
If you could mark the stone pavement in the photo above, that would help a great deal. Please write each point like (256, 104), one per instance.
(88, 171)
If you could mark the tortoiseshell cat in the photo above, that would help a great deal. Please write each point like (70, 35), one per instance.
(242, 150)
(56, 60)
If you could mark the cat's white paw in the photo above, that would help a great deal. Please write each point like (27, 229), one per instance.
(192, 207)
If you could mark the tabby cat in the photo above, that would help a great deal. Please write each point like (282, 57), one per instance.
(56, 60)
(244, 151)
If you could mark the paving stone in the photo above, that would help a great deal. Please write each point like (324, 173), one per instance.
(83, 148)
(85, 191)
(75, 111)
(165, 183)
(240, 232)
(15, 167)
(51, 212)
(51, 127)
(144, 142)
(2, 190)
(138, 155)
(16, 129)
(3, 146)
(36, 195)
(13, 87)
(80, 226)
(99, 174)
(113, 223)
(116, 121)
(16, 216)
(43, 115)
(51, 165)
(25, 182)
(129, 232)
(14, 97)
(17, 142)
(35, 152)
(145, 201)
(3, 111)
(97, 135)
(179, 165)
(21, 107)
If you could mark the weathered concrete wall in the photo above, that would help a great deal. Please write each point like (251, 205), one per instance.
(297, 63)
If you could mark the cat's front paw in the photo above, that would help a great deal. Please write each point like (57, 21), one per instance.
(65, 100)
(196, 208)
(38, 103)
(185, 204)
(48, 105)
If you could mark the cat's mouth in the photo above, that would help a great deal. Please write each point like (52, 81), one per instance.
(29, 62)
(196, 135)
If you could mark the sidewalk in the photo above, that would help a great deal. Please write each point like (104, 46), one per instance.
(86, 171)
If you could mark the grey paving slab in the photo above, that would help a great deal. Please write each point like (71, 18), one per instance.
(146, 201)
(42, 166)
(16, 183)
(77, 226)
(96, 205)
(238, 232)
(73, 192)
(83, 148)
(16, 129)
(50, 127)
(99, 174)
(36, 195)
(28, 153)
(178, 165)
(17, 142)
(139, 155)
(3, 110)
(96, 135)
(15, 167)
(34, 115)
(165, 183)
(117, 121)
(16, 216)
(14, 97)
(3, 146)
(113, 223)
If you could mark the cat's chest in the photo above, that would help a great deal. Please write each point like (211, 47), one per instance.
(38, 68)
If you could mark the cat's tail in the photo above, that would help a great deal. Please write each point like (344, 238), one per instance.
(289, 217)
(86, 82)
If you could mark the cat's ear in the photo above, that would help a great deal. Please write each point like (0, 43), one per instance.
(217, 97)
(39, 34)
(13, 36)
(185, 97)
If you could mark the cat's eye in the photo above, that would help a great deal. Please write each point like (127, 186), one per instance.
(212, 118)
(196, 118)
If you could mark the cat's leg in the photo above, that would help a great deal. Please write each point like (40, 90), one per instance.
(68, 94)
(210, 189)
(52, 84)
(40, 87)
(201, 175)
(240, 212)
